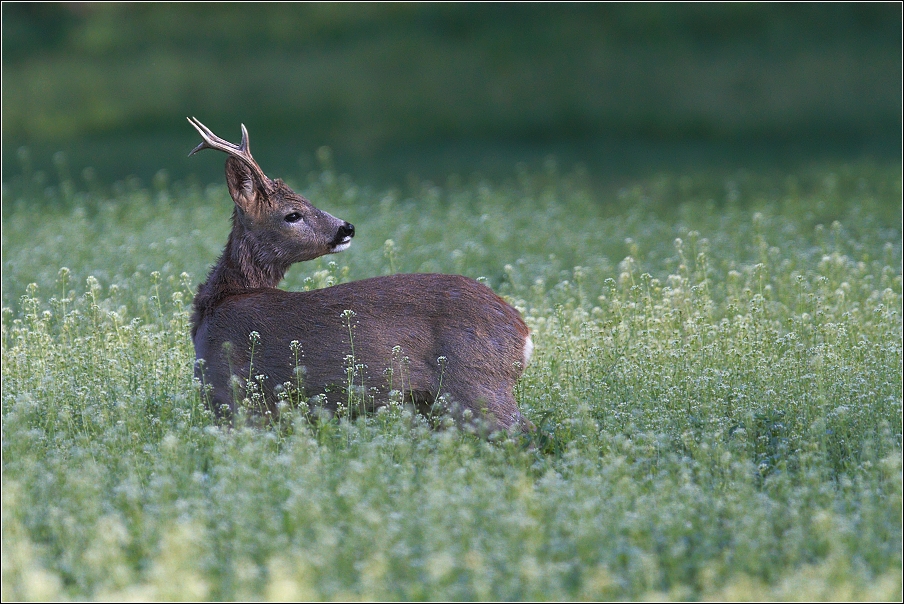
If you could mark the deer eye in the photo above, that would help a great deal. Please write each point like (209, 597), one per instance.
(293, 217)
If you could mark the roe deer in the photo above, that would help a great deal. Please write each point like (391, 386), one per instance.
(458, 339)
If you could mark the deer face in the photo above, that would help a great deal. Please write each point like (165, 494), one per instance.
(281, 220)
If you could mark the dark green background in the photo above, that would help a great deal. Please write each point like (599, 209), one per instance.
(432, 89)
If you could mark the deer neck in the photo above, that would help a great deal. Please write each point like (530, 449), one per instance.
(246, 264)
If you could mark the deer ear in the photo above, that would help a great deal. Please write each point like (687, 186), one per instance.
(240, 179)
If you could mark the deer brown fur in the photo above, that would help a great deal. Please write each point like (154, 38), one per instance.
(424, 335)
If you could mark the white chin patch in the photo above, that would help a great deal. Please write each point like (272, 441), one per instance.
(342, 246)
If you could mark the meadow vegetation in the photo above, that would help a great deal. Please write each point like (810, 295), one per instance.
(717, 385)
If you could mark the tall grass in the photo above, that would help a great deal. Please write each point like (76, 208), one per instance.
(717, 384)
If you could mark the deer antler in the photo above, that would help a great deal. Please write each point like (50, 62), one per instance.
(242, 152)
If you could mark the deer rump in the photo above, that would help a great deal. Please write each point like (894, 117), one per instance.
(444, 348)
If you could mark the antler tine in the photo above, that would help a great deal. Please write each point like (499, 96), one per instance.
(242, 152)
(210, 140)
(244, 145)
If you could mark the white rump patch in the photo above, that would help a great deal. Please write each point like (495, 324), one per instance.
(528, 349)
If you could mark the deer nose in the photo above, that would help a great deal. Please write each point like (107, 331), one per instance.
(346, 230)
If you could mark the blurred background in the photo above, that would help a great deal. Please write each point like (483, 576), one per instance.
(433, 89)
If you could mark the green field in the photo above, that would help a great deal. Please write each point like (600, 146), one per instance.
(717, 384)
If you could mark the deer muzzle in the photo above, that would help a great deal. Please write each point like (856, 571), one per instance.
(343, 237)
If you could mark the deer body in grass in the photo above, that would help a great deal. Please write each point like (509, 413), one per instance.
(431, 337)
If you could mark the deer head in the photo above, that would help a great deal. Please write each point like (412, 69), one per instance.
(280, 225)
